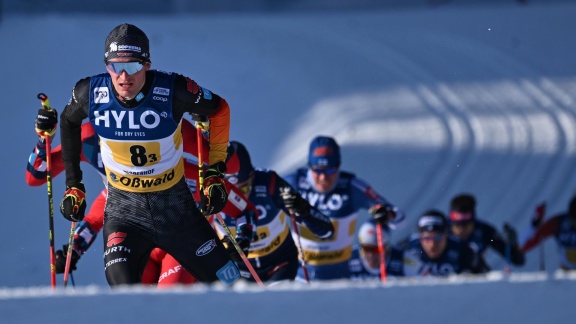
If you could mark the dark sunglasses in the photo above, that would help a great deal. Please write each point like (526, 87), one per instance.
(128, 67)
(370, 249)
(461, 223)
(326, 171)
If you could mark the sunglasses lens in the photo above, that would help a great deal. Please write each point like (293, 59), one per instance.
(326, 171)
(129, 67)
(461, 224)
(370, 249)
(436, 237)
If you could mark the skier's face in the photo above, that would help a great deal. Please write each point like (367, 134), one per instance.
(129, 79)
(324, 178)
(433, 243)
(371, 255)
(462, 230)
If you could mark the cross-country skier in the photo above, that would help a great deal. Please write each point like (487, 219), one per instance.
(339, 195)
(467, 228)
(365, 261)
(136, 113)
(272, 253)
(162, 269)
(437, 254)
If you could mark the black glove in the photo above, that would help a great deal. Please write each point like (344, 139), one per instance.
(510, 234)
(61, 259)
(538, 215)
(244, 236)
(383, 213)
(46, 122)
(214, 195)
(232, 252)
(73, 205)
(294, 202)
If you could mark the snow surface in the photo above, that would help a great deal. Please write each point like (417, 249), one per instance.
(427, 102)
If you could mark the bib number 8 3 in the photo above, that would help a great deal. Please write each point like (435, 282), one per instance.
(142, 154)
(139, 157)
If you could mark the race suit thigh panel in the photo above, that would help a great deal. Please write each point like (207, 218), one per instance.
(126, 253)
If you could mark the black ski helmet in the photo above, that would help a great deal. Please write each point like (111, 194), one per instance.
(463, 203)
(432, 220)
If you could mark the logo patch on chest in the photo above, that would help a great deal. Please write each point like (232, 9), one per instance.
(101, 95)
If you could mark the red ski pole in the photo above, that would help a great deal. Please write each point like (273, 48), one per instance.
(382, 252)
(69, 254)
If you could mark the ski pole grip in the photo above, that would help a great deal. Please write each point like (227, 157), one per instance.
(44, 99)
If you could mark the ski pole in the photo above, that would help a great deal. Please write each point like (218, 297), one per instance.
(46, 104)
(382, 252)
(302, 258)
(69, 254)
(201, 188)
(299, 245)
(72, 280)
